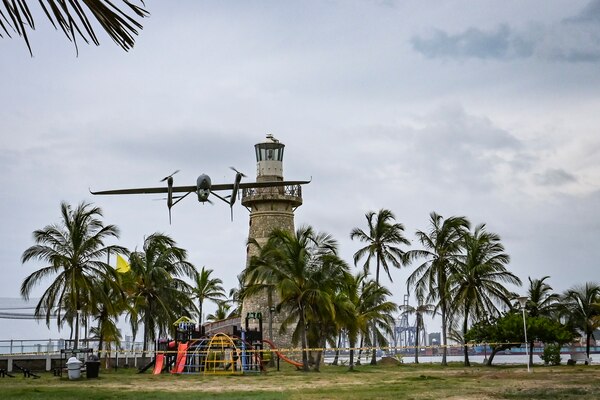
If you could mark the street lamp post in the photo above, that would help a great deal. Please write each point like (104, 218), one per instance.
(523, 303)
(271, 311)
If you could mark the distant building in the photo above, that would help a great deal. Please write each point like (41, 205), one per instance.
(435, 338)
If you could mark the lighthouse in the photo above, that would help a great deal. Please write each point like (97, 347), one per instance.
(270, 208)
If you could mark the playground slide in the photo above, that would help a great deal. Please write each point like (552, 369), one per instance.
(158, 365)
(284, 358)
(181, 357)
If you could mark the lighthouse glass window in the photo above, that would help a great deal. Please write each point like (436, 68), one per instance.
(270, 154)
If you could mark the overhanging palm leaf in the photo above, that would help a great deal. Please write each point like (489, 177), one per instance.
(73, 19)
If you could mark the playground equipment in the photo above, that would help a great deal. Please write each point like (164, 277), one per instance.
(281, 356)
(223, 356)
(26, 372)
(4, 373)
(219, 354)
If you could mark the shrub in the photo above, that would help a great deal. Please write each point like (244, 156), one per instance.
(551, 354)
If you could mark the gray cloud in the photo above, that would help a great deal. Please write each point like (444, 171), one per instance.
(590, 13)
(451, 147)
(573, 39)
(501, 43)
(554, 177)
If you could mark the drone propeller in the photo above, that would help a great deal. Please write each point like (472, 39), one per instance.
(238, 172)
(170, 203)
(169, 176)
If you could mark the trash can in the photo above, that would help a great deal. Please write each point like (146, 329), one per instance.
(74, 368)
(92, 366)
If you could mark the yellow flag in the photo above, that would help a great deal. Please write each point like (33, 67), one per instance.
(122, 265)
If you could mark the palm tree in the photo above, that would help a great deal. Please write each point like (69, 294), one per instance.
(442, 244)
(301, 268)
(236, 295)
(158, 293)
(323, 317)
(344, 309)
(107, 315)
(74, 250)
(223, 312)
(419, 311)
(477, 282)
(366, 307)
(582, 306)
(207, 288)
(541, 301)
(382, 240)
(73, 18)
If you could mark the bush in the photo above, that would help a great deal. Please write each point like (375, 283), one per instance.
(551, 354)
(266, 356)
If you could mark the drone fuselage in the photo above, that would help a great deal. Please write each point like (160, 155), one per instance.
(203, 185)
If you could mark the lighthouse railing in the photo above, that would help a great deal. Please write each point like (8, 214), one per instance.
(287, 190)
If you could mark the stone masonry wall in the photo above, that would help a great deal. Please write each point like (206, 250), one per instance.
(265, 216)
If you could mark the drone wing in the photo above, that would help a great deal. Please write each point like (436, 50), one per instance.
(152, 190)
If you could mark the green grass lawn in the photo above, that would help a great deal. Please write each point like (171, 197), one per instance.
(381, 382)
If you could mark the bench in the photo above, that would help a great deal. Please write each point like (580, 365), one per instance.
(580, 357)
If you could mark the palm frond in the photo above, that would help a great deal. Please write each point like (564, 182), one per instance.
(76, 19)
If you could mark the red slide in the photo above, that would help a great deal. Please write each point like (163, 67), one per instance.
(284, 358)
(158, 364)
(181, 356)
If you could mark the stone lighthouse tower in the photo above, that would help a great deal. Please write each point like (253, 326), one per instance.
(270, 208)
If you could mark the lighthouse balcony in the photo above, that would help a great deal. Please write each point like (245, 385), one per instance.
(287, 193)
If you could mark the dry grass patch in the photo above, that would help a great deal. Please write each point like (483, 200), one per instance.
(382, 382)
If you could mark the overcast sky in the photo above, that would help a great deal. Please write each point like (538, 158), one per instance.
(484, 109)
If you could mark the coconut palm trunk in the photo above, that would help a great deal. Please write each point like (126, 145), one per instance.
(465, 329)
(444, 340)
(444, 332)
(588, 343)
(77, 330)
(337, 350)
(373, 324)
(200, 312)
(352, 343)
(304, 334)
(419, 322)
